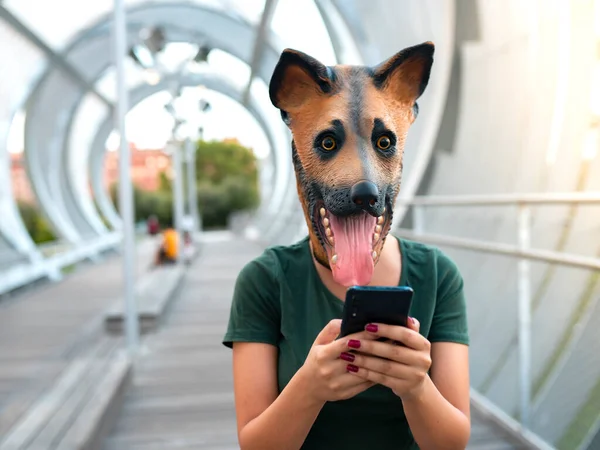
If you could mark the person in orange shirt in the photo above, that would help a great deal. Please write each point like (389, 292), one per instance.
(168, 251)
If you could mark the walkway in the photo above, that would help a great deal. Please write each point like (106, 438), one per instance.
(43, 330)
(181, 396)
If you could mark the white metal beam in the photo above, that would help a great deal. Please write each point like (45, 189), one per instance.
(52, 56)
(125, 185)
(259, 42)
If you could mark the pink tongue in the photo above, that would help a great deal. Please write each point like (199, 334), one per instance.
(354, 249)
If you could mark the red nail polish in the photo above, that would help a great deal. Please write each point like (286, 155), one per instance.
(352, 368)
(347, 357)
(371, 328)
(353, 343)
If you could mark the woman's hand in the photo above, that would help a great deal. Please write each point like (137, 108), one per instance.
(326, 373)
(402, 368)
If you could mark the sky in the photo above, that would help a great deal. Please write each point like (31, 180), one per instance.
(148, 123)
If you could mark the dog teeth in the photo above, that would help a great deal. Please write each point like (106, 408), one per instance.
(328, 232)
(333, 259)
(331, 240)
(375, 237)
(380, 220)
(325, 222)
(378, 229)
(374, 255)
(322, 212)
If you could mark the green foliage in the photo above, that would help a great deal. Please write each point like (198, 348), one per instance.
(213, 204)
(227, 177)
(37, 226)
(215, 161)
(147, 203)
(226, 182)
(164, 182)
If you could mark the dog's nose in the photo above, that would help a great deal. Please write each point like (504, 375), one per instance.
(365, 194)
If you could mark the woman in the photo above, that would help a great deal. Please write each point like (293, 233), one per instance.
(297, 385)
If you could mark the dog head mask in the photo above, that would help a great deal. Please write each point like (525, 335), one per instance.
(349, 125)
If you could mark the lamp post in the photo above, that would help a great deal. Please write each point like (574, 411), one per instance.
(174, 151)
(125, 187)
(190, 155)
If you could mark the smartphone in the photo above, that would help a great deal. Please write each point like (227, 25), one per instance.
(375, 304)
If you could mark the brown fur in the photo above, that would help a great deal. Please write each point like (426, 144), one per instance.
(313, 98)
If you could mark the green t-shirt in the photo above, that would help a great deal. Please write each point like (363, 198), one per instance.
(279, 299)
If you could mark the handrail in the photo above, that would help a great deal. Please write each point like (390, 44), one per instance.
(507, 423)
(504, 199)
(521, 251)
(565, 259)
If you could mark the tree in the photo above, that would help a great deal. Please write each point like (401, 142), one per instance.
(227, 181)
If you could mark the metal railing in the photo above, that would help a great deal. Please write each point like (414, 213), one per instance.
(522, 251)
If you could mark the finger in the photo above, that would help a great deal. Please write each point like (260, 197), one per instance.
(404, 335)
(388, 351)
(357, 388)
(329, 332)
(387, 367)
(414, 324)
(376, 377)
(343, 344)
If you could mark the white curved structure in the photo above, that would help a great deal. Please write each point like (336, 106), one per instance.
(507, 110)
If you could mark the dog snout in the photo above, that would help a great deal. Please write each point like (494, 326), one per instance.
(365, 195)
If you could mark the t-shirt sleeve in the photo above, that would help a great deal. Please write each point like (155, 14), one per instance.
(255, 311)
(449, 322)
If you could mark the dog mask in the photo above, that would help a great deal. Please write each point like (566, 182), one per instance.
(349, 125)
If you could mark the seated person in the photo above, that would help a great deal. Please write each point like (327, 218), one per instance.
(167, 253)
(153, 225)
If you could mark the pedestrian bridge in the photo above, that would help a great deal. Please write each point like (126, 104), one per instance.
(501, 171)
(68, 383)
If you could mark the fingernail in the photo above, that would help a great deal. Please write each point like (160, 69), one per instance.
(371, 328)
(413, 321)
(352, 368)
(347, 357)
(353, 343)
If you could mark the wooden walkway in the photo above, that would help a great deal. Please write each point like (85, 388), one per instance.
(182, 396)
(42, 331)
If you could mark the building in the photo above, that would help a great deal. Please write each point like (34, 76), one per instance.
(146, 166)
(20, 181)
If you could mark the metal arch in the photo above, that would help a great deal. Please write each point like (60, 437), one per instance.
(261, 31)
(52, 56)
(12, 226)
(265, 70)
(46, 138)
(182, 18)
(77, 164)
(213, 81)
(59, 214)
(96, 163)
(343, 39)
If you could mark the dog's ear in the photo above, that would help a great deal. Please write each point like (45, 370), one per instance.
(406, 74)
(296, 78)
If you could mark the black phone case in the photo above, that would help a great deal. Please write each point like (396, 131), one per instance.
(375, 305)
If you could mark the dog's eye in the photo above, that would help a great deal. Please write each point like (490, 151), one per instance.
(328, 143)
(383, 143)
